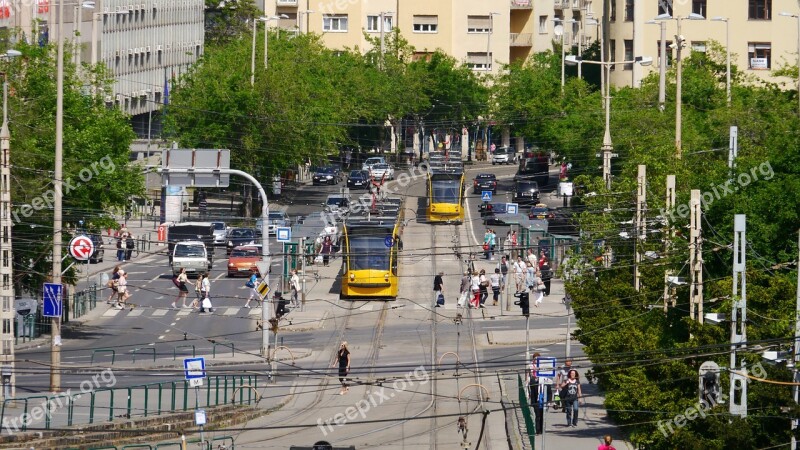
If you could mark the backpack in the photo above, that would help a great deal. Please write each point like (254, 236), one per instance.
(176, 282)
(440, 300)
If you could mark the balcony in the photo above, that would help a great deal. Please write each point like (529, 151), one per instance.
(286, 2)
(521, 4)
(561, 4)
(521, 40)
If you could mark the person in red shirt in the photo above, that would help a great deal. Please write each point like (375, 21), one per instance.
(606, 445)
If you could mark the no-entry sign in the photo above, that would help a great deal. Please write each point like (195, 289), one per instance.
(81, 247)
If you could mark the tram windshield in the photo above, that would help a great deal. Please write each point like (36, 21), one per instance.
(446, 190)
(369, 250)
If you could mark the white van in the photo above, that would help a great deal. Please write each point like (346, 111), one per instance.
(190, 255)
(372, 161)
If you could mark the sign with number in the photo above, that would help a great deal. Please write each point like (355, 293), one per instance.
(52, 305)
(194, 368)
(486, 196)
(81, 247)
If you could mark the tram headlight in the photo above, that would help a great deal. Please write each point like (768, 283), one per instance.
(352, 277)
(386, 277)
(433, 208)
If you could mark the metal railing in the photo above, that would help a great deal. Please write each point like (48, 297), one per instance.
(84, 301)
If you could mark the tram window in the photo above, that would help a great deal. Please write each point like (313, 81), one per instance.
(368, 252)
(445, 191)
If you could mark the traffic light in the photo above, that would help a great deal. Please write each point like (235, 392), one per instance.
(709, 384)
(523, 302)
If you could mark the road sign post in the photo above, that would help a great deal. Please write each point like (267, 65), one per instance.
(81, 247)
(512, 208)
(52, 304)
(194, 372)
(486, 196)
(283, 234)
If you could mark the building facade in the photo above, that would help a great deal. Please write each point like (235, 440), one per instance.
(143, 43)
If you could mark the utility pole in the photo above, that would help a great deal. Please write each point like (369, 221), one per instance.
(738, 392)
(733, 149)
(662, 68)
(6, 271)
(641, 228)
(678, 100)
(696, 258)
(669, 291)
(380, 25)
(55, 334)
(796, 351)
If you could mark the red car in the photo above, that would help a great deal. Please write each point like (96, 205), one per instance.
(243, 259)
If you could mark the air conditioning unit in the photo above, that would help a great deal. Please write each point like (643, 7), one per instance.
(109, 99)
(118, 98)
(159, 48)
(197, 43)
(130, 52)
(106, 10)
(118, 53)
(169, 47)
(142, 7)
(148, 49)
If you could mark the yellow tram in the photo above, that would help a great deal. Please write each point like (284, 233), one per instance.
(370, 252)
(446, 190)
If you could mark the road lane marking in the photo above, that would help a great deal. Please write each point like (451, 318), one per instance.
(155, 277)
(160, 312)
(184, 312)
(231, 311)
(166, 331)
(173, 324)
(161, 337)
(255, 311)
(218, 276)
(111, 312)
(136, 313)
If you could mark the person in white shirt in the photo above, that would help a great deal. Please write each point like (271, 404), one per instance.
(519, 273)
(476, 291)
(294, 284)
(531, 258)
(495, 280)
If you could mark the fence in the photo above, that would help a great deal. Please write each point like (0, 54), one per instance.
(108, 404)
(530, 426)
(217, 443)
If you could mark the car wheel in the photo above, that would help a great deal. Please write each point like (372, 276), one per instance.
(493, 163)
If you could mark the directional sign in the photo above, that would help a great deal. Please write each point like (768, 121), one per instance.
(81, 247)
(486, 196)
(512, 208)
(263, 289)
(546, 367)
(283, 234)
(194, 368)
(52, 305)
(388, 241)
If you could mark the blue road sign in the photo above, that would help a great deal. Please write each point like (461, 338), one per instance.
(283, 234)
(194, 368)
(486, 196)
(52, 305)
(512, 208)
(388, 241)
(546, 367)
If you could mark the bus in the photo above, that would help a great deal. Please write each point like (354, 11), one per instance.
(370, 251)
(445, 190)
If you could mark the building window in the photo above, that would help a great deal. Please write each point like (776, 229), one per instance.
(699, 46)
(479, 24)
(479, 61)
(7, 346)
(664, 7)
(542, 24)
(426, 24)
(6, 304)
(668, 52)
(628, 54)
(335, 23)
(759, 56)
(6, 326)
(613, 12)
(422, 56)
(612, 57)
(700, 7)
(760, 10)
(373, 23)
(629, 10)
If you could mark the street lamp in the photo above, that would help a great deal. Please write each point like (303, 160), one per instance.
(797, 16)
(489, 41)
(608, 147)
(266, 33)
(662, 63)
(558, 30)
(300, 15)
(253, 51)
(727, 56)
(55, 333)
(599, 25)
(680, 42)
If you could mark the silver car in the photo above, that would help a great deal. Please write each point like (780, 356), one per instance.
(275, 220)
(220, 231)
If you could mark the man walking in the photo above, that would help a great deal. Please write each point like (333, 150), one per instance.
(294, 284)
(438, 288)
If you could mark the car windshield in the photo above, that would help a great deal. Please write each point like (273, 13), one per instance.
(326, 171)
(336, 201)
(242, 233)
(276, 216)
(356, 174)
(194, 250)
(218, 226)
(248, 252)
(527, 186)
(380, 167)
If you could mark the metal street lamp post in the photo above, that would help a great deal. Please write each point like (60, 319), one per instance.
(300, 15)
(562, 32)
(662, 64)
(489, 41)
(266, 33)
(55, 334)
(727, 56)
(797, 16)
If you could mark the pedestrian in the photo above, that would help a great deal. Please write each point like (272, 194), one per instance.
(539, 395)
(203, 205)
(519, 273)
(280, 305)
(530, 278)
(546, 274)
(112, 283)
(570, 396)
(542, 258)
(343, 358)
(294, 284)
(492, 244)
(438, 288)
(494, 280)
(606, 445)
(120, 249)
(507, 245)
(475, 283)
(251, 284)
(326, 250)
(483, 287)
(181, 281)
(129, 246)
(464, 289)
(514, 244)
(530, 258)
(487, 246)
(503, 266)
(122, 289)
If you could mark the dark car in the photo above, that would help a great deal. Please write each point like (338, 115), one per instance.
(325, 175)
(489, 210)
(241, 236)
(526, 191)
(484, 182)
(358, 179)
(540, 211)
(99, 251)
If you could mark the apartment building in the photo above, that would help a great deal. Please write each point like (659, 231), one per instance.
(142, 42)
(758, 37)
(483, 34)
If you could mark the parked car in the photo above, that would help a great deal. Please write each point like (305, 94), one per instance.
(243, 260)
(484, 182)
(526, 191)
(369, 162)
(504, 155)
(325, 175)
(276, 219)
(240, 236)
(358, 179)
(220, 232)
(382, 172)
(540, 211)
(99, 251)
